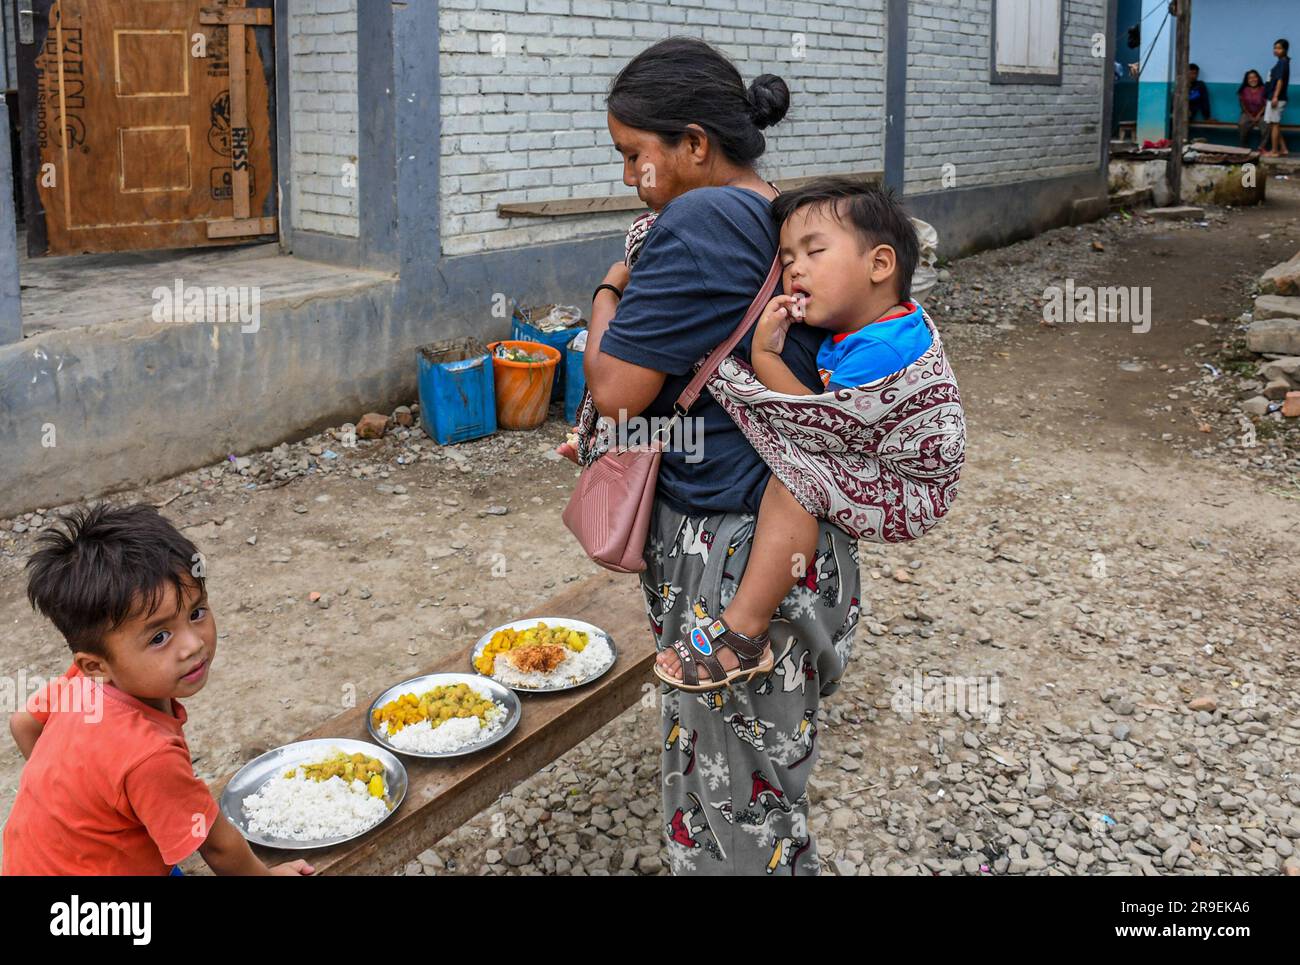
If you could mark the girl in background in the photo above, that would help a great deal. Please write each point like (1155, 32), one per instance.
(1253, 100)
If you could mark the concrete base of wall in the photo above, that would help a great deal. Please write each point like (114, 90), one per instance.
(1222, 184)
(85, 411)
(1093, 208)
(972, 219)
(88, 411)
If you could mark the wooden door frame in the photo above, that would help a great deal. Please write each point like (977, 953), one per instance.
(25, 57)
(26, 54)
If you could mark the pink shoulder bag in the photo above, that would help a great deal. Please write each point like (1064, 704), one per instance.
(609, 511)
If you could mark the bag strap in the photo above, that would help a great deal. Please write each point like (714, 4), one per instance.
(696, 385)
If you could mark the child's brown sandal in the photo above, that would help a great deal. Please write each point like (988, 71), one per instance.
(702, 649)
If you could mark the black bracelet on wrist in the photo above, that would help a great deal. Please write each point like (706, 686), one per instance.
(618, 292)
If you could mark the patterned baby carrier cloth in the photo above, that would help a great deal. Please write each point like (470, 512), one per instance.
(881, 460)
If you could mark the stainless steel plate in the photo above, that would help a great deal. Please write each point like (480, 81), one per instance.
(593, 632)
(253, 775)
(419, 685)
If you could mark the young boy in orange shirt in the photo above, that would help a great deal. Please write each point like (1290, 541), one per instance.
(109, 787)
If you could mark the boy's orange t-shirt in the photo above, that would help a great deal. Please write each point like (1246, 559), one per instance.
(109, 789)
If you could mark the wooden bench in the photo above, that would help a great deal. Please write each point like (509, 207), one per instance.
(443, 795)
(1232, 126)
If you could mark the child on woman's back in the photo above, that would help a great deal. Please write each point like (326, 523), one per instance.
(848, 251)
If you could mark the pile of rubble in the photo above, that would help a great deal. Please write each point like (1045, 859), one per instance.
(1274, 332)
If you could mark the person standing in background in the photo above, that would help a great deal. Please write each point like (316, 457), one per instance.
(1278, 80)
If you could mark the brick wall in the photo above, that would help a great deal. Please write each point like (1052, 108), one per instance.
(530, 125)
(997, 133)
(323, 122)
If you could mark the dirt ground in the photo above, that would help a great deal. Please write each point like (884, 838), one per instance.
(1113, 554)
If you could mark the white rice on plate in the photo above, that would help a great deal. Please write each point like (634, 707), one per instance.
(593, 660)
(449, 735)
(299, 808)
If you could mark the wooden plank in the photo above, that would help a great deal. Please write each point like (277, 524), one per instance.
(443, 795)
(238, 122)
(630, 202)
(1232, 126)
(790, 184)
(240, 228)
(1182, 11)
(260, 17)
(551, 209)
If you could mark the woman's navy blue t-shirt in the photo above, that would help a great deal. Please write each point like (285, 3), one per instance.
(701, 265)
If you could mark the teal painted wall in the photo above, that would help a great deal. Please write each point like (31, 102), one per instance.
(1153, 111)
(1228, 38)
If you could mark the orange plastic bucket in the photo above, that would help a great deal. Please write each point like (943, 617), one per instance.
(523, 389)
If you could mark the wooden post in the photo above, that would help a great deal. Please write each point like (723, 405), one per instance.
(236, 17)
(1182, 11)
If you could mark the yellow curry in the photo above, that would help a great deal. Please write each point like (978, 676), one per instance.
(349, 767)
(540, 635)
(437, 705)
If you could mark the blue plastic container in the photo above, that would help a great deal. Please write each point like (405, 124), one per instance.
(457, 393)
(575, 382)
(522, 331)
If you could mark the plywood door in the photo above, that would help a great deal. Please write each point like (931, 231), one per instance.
(131, 140)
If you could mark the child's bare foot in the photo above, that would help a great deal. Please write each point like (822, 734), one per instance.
(728, 648)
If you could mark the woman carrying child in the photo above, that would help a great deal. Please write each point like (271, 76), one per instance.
(736, 761)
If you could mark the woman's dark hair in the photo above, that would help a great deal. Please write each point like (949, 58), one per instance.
(681, 81)
(101, 564)
(1285, 45)
(871, 210)
(1245, 79)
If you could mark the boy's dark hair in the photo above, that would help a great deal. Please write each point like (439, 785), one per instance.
(872, 210)
(100, 564)
(1193, 67)
(682, 80)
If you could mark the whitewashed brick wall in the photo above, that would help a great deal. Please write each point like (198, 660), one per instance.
(997, 133)
(323, 122)
(530, 126)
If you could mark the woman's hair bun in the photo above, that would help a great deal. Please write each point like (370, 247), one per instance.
(769, 99)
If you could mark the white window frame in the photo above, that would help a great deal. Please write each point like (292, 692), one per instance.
(1014, 57)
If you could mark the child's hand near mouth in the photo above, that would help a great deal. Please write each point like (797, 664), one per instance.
(781, 312)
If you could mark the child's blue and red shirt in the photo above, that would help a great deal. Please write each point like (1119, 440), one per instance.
(892, 343)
